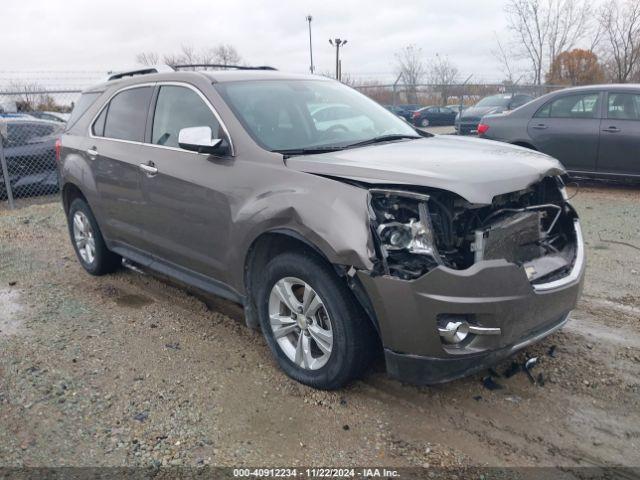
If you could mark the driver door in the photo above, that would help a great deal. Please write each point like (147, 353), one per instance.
(188, 213)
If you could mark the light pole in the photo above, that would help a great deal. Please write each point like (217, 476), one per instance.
(309, 18)
(338, 43)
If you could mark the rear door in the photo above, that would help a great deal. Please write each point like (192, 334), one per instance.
(619, 151)
(115, 155)
(188, 214)
(568, 129)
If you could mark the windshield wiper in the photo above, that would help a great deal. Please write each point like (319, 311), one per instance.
(307, 151)
(382, 138)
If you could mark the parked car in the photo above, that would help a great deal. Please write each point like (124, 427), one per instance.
(468, 120)
(433, 116)
(404, 111)
(340, 118)
(594, 131)
(451, 253)
(29, 150)
(456, 108)
(51, 116)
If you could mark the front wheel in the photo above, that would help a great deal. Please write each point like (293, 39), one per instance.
(424, 122)
(315, 329)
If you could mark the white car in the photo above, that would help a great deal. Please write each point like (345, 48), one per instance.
(340, 118)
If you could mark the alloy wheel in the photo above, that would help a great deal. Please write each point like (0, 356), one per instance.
(83, 237)
(300, 323)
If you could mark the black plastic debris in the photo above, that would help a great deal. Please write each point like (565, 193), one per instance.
(514, 368)
(528, 365)
(173, 345)
(12, 283)
(552, 351)
(345, 427)
(477, 398)
(141, 417)
(490, 384)
(540, 379)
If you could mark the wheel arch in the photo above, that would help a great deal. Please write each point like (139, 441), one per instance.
(280, 240)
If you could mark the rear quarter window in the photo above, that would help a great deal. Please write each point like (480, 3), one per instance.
(126, 117)
(82, 105)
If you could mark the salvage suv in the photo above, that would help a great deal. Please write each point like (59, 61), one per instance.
(339, 238)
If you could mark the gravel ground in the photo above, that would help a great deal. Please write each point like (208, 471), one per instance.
(129, 370)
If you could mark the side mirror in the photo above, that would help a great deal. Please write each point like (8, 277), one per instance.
(198, 139)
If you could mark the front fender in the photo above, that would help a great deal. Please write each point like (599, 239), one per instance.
(329, 215)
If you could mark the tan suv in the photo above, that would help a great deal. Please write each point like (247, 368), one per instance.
(340, 234)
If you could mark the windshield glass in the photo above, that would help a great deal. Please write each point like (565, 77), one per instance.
(308, 114)
(494, 101)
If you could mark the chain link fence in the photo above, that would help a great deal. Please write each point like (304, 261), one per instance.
(30, 123)
(451, 94)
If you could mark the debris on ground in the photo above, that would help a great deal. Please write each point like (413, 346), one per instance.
(490, 384)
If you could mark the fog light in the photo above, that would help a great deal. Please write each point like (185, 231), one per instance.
(454, 332)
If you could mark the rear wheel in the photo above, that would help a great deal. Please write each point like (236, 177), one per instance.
(424, 122)
(87, 240)
(316, 331)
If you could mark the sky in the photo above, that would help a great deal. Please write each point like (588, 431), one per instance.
(48, 37)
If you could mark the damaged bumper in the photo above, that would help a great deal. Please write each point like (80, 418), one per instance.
(495, 299)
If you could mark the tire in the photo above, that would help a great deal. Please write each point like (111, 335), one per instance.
(102, 261)
(424, 122)
(353, 343)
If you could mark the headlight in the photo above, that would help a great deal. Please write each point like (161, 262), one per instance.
(403, 229)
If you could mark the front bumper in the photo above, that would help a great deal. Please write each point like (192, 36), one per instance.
(492, 294)
(467, 127)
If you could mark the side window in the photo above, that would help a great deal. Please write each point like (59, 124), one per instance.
(519, 100)
(82, 105)
(98, 125)
(571, 106)
(127, 115)
(623, 106)
(178, 108)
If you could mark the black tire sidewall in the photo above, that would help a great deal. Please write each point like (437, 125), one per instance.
(103, 261)
(339, 368)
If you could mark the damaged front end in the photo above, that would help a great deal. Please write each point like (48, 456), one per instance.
(457, 286)
(416, 231)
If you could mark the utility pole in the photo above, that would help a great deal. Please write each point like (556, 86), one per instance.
(309, 18)
(338, 43)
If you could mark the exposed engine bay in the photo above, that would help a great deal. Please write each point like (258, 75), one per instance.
(418, 230)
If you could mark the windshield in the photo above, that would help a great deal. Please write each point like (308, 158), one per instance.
(286, 115)
(494, 101)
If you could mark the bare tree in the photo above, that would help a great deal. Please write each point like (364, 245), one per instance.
(188, 55)
(226, 55)
(30, 95)
(543, 28)
(443, 74)
(148, 58)
(620, 24)
(506, 62)
(409, 64)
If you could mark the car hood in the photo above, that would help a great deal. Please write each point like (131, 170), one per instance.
(475, 169)
(479, 112)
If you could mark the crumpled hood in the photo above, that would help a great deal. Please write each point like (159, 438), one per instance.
(475, 169)
(476, 113)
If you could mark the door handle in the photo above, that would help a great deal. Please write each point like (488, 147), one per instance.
(611, 129)
(149, 169)
(92, 152)
(540, 126)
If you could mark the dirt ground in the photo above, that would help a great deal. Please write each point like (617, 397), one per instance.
(128, 370)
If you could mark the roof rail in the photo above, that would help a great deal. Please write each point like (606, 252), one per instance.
(140, 71)
(219, 65)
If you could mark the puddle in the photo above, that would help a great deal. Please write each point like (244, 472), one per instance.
(9, 308)
(133, 301)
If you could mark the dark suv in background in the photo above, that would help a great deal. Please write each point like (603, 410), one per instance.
(30, 153)
(467, 121)
(338, 237)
